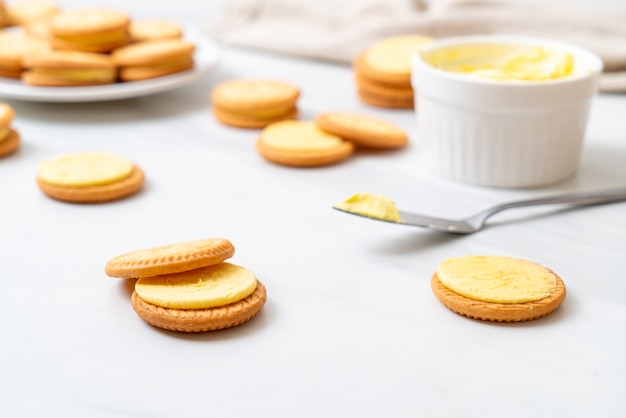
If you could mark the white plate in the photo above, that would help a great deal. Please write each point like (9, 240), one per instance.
(206, 57)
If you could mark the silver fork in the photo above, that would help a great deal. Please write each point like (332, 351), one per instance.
(476, 222)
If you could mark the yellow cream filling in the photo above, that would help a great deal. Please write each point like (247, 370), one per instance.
(371, 205)
(82, 75)
(393, 55)
(496, 279)
(299, 136)
(504, 61)
(84, 169)
(207, 287)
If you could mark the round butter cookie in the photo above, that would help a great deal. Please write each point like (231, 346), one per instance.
(69, 68)
(201, 320)
(302, 144)
(499, 289)
(153, 29)
(90, 30)
(9, 138)
(168, 259)
(89, 177)
(363, 130)
(152, 59)
(254, 103)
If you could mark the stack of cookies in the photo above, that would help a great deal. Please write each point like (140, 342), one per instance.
(89, 47)
(90, 30)
(383, 71)
(254, 103)
(188, 287)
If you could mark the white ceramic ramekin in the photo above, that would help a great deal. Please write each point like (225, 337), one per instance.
(503, 133)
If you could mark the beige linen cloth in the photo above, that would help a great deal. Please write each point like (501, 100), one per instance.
(337, 30)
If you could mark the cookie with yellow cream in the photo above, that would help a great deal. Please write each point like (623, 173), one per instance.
(9, 138)
(500, 289)
(301, 144)
(69, 68)
(150, 59)
(254, 103)
(188, 287)
(366, 131)
(89, 177)
(90, 30)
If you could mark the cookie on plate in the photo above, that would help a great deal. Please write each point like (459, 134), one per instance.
(89, 30)
(150, 59)
(9, 138)
(14, 49)
(154, 29)
(22, 13)
(89, 177)
(366, 131)
(69, 68)
(188, 287)
(254, 103)
(383, 71)
(301, 144)
(499, 289)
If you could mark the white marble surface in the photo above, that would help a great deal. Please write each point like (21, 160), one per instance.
(351, 327)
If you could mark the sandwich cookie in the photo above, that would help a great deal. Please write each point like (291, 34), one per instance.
(301, 144)
(69, 68)
(9, 138)
(363, 130)
(188, 287)
(254, 103)
(90, 30)
(89, 177)
(150, 59)
(500, 289)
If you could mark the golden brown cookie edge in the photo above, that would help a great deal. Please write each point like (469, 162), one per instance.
(202, 320)
(96, 194)
(498, 312)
